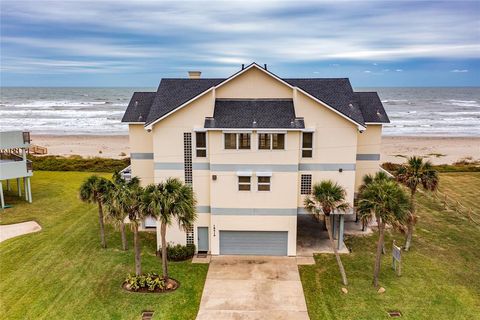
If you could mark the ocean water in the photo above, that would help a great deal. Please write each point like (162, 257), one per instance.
(412, 111)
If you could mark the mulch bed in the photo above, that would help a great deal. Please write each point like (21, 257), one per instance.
(172, 283)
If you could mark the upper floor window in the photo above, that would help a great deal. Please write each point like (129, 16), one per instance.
(307, 144)
(201, 144)
(268, 141)
(237, 140)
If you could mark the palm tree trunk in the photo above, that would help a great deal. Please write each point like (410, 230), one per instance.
(136, 244)
(378, 258)
(163, 232)
(337, 255)
(102, 225)
(124, 236)
(410, 222)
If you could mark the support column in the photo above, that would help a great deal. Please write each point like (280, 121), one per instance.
(8, 185)
(340, 231)
(25, 188)
(29, 190)
(2, 200)
(19, 187)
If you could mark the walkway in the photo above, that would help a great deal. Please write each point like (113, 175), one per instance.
(14, 230)
(246, 287)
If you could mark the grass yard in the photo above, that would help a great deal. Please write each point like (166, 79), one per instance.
(441, 273)
(62, 273)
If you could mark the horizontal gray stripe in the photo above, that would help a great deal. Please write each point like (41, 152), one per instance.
(368, 156)
(255, 167)
(254, 211)
(141, 156)
(326, 166)
(258, 167)
(301, 210)
(168, 166)
(201, 166)
(203, 209)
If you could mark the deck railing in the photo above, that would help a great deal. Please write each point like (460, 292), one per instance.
(26, 137)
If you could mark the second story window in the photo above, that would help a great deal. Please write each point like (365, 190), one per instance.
(307, 144)
(201, 144)
(237, 140)
(305, 184)
(269, 141)
(244, 141)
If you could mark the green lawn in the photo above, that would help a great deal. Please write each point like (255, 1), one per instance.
(62, 273)
(441, 273)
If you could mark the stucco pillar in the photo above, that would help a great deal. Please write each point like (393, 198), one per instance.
(19, 187)
(2, 200)
(340, 231)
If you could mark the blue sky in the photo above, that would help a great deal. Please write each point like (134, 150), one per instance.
(135, 43)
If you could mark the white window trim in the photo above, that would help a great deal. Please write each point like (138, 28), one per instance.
(302, 148)
(237, 139)
(244, 183)
(206, 144)
(271, 140)
(269, 184)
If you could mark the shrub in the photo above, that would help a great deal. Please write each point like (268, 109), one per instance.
(149, 281)
(178, 252)
(77, 163)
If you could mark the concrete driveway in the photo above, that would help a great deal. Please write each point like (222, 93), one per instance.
(247, 287)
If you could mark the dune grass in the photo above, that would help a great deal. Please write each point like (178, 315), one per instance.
(440, 274)
(62, 273)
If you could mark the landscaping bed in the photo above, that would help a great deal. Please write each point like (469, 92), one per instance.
(149, 283)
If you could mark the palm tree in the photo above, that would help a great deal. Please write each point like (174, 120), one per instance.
(327, 197)
(129, 203)
(113, 200)
(381, 198)
(168, 201)
(416, 173)
(93, 190)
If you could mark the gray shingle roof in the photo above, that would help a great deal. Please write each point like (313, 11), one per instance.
(172, 93)
(139, 107)
(371, 107)
(254, 113)
(336, 92)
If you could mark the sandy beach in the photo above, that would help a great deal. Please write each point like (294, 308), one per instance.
(440, 149)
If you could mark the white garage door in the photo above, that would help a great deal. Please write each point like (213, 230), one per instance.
(267, 243)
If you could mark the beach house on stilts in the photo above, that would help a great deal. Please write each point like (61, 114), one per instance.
(14, 163)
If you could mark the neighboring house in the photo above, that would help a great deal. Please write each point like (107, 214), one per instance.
(14, 163)
(252, 145)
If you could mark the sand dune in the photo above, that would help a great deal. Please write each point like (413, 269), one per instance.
(441, 149)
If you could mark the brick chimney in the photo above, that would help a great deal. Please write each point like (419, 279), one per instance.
(194, 74)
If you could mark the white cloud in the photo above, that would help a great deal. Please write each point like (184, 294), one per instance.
(367, 71)
(459, 70)
(398, 70)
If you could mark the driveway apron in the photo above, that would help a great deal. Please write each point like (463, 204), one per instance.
(250, 287)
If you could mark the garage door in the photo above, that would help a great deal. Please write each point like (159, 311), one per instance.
(268, 243)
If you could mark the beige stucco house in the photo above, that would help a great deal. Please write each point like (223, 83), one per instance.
(252, 145)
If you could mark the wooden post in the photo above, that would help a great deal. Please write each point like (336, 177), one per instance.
(8, 185)
(340, 231)
(25, 187)
(29, 190)
(2, 200)
(19, 187)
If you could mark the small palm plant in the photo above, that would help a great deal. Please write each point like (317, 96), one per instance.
(170, 201)
(327, 197)
(93, 190)
(412, 174)
(382, 199)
